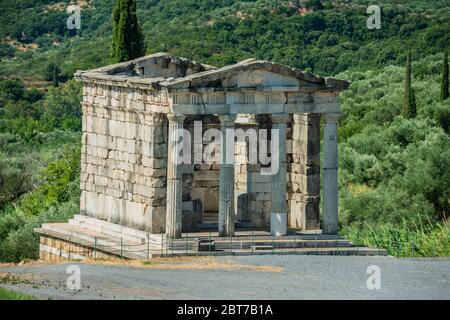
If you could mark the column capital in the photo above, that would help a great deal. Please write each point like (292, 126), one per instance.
(332, 117)
(176, 117)
(279, 117)
(227, 120)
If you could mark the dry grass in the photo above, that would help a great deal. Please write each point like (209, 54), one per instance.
(188, 263)
(21, 46)
(191, 263)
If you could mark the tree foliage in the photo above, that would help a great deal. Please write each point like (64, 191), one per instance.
(128, 41)
(409, 101)
(445, 80)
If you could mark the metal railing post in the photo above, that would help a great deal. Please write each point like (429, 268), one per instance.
(162, 244)
(70, 244)
(315, 242)
(148, 247)
(251, 243)
(295, 245)
(121, 248)
(231, 244)
(209, 243)
(337, 243)
(95, 248)
(273, 244)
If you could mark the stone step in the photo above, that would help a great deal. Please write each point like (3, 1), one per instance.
(257, 248)
(203, 245)
(210, 217)
(189, 246)
(101, 241)
(98, 238)
(281, 244)
(215, 225)
(361, 251)
(118, 230)
(349, 251)
(95, 227)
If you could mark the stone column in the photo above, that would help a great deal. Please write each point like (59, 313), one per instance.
(226, 183)
(174, 176)
(305, 172)
(278, 217)
(330, 174)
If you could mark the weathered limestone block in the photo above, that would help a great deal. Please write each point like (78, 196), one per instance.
(154, 150)
(257, 187)
(308, 218)
(304, 171)
(206, 175)
(150, 172)
(154, 163)
(243, 210)
(149, 192)
(192, 215)
(155, 219)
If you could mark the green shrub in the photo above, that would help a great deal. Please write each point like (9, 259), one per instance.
(420, 240)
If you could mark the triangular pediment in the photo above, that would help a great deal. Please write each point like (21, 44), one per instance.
(254, 73)
(175, 73)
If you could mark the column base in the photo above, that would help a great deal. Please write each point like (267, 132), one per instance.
(278, 224)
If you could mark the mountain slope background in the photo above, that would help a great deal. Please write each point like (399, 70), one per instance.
(394, 172)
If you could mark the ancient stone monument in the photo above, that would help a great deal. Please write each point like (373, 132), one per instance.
(131, 175)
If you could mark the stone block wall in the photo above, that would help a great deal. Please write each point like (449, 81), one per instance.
(252, 189)
(303, 167)
(124, 157)
(200, 180)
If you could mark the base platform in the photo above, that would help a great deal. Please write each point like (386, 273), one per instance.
(85, 237)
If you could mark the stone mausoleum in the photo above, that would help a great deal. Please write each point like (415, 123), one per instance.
(134, 186)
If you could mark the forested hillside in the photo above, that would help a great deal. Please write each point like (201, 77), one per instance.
(394, 170)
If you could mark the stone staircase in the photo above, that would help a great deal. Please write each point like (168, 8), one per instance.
(210, 222)
(287, 245)
(119, 241)
(104, 236)
(210, 217)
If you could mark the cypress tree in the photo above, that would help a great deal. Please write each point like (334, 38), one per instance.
(409, 102)
(55, 78)
(128, 40)
(412, 104)
(444, 80)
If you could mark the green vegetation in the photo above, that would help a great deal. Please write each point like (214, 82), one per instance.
(219, 32)
(409, 103)
(39, 162)
(12, 295)
(394, 165)
(395, 171)
(445, 81)
(128, 41)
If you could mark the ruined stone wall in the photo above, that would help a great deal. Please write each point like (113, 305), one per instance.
(124, 156)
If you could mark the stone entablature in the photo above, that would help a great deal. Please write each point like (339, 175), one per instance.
(132, 110)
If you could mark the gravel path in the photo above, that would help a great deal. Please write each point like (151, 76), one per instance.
(255, 277)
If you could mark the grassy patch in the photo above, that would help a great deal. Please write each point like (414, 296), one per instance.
(12, 295)
(404, 241)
